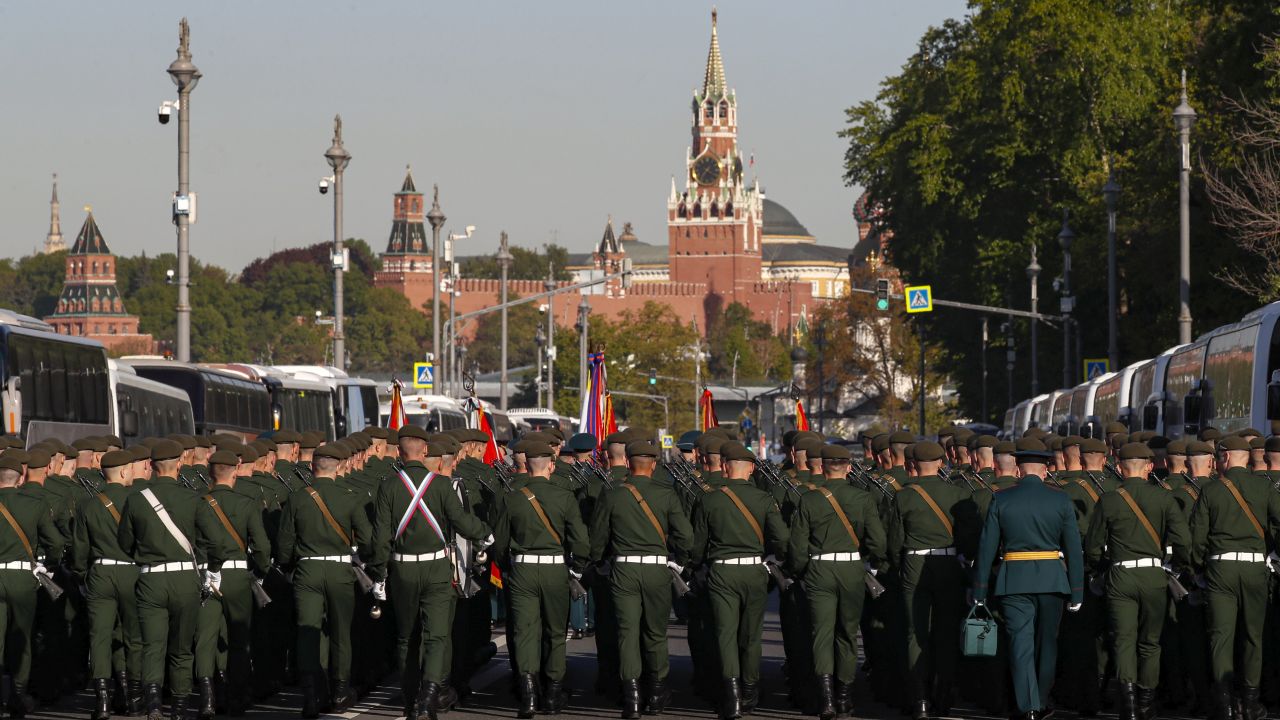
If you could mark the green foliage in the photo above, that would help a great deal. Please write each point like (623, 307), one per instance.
(1002, 120)
(526, 264)
(760, 355)
(485, 350)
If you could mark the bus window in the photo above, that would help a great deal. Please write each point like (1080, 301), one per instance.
(1229, 370)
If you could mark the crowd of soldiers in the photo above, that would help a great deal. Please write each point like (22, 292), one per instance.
(232, 568)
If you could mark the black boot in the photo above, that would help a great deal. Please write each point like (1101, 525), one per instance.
(1222, 704)
(1251, 704)
(178, 707)
(630, 699)
(204, 686)
(220, 692)
(153, 702)
(750, 697)
(528, 696)
(659, 696)
(101, 700)
(844, 701)
(135, 701)
(20, 703)
(731, 700)
(343, 698)
(310, 701)
(120, 694)
(920, 710)
(428, 700)
(1128, 701)
(826, 697)
(554, 697)
(448, 699)
(1146, 704)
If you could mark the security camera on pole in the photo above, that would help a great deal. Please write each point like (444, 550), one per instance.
(185, 75)
(338, 159)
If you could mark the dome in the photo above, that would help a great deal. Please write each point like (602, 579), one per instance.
(781, 226)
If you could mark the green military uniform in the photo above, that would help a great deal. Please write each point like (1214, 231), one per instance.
(933, 523)
(240, 553)
(1137, 598)
(17, 586)
(168, 587)
(639, 526)
(1231, 547)
(56, 620)
(535, 551)
(1035, 519)
(110, 580)
(1084, 662)
(410, 556)
(829, 556)
(471, 625)
(323, 580)
(733, 542)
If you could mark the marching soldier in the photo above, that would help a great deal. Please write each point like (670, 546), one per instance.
(735, 526)
(323, 529)
(162, 529)
(933, 523)
(239, 554)
(1035, 527)
(835, 530)
(1232, 526)
(642, 529)
(110, 577)
(1131, 527)
(417, 514)
(1084, 662)
(543, 542)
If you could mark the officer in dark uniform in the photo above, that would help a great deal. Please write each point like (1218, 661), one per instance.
(1035, 527)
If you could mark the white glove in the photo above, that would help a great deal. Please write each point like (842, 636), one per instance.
(1074, 607)
(575, 574)
(213, 580)
(675, 567)
(485, 543)
(380, 590)
(40, 569)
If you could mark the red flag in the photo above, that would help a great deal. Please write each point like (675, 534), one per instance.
(397, 419)
(495, 575)
(802, 420)
(491, 453)
(611, 422)
(707, 412)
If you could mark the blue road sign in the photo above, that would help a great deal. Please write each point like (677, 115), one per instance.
(919, 298)
(424, 375)
(1096, 367)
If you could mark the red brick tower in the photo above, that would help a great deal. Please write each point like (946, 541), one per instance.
(90, 305)
(407, 249)
(714, 225)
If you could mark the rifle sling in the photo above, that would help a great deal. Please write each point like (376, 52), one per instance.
(755, 525)
(13, 523)
(226, 522)
(648, 512)
(1142, 518)
(110, 506)
(324, 509)
(1248, 512)
(1093, 494)
(844, 519)
(946, 521)
(542, 515)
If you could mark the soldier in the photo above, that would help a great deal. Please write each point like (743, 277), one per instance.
(1035, 526)
(28, 540)
(288, 447)
(933, 523)
(1084, 662)
(473, 616)
(1230, 541)
(110, 578)
(417, 514)
(735, 526)
(687, 444)
(319, 527)
(1129, 530)
(542, 542)
(161, 529)
(834, 532)
(641, 528)
(239, 554)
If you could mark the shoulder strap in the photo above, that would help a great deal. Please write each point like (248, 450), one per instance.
(324, 510)
(1191, 491)
(1226, 482)
(946, 521)
(542, 515)
(226, 522)
(647, 511)
(110, 506)
(167, 521)
(844, 519)
(755, 526)
(26, 544)
(1093, 494)
(1142, 518)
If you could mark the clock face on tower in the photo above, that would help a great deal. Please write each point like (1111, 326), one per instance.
(706, 170)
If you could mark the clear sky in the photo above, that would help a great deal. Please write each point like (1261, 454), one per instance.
(540, 118)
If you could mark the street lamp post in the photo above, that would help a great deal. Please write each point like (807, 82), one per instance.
(584, 309)
(1111, 193)
(1183, 118)
(1065, 239)
(185, 75)
(550, 284)
(539, 339)
(338, 158)
(436, 218)
(820, 344)
(985, 417)
(504, 263)
(1033, 272)
(451, 342)
(1010, 359)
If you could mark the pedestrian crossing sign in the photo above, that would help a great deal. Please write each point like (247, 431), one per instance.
(1096, 367)
(919, 298)
(424, 375)
(668, 442)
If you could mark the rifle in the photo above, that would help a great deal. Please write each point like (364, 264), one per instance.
(677, 583)
(774, 477)
(779, 576)
(576, 591)
(685, 481)
(1096, 482)
(504, 474)
(873, 584)
(46, 582)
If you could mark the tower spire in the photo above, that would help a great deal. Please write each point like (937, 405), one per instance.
(53, 241)
(713, 84)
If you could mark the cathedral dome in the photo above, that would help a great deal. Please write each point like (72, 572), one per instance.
(780, 226)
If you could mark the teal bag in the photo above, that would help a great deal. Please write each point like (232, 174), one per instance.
(979, 636)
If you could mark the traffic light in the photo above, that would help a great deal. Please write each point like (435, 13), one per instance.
(882, 294)
(653, 376)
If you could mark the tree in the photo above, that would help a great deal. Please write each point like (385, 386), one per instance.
(526, 264)
(760, 355)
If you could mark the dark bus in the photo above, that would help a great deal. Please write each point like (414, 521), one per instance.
(146, 408)
(220, 401)
(53, 386)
